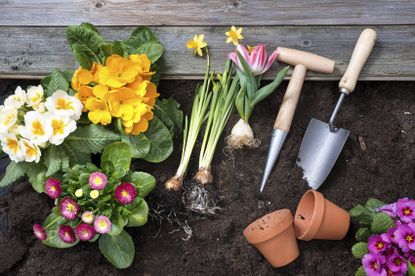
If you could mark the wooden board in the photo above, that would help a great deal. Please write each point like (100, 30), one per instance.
(32, 52)
(206, 13)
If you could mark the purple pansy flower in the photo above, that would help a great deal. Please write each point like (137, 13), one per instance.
(372, 264)
(405, 208)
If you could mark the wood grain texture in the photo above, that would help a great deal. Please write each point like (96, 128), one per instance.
(205, 13)
(34, 51)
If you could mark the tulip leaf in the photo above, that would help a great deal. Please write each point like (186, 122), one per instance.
(268, 89)
(381, 223)
(251, 84)
(161, 141)
(14, 172)
(359, 250)
(118, 250)
(119, 154)
(139, 215)
(144, 182)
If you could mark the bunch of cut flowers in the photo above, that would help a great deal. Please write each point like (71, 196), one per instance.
(386, 238)
(96, 203)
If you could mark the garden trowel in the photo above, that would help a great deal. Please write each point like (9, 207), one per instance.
(323, 142)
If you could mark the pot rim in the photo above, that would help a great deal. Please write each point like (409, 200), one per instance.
(254, 235)
(316, 217)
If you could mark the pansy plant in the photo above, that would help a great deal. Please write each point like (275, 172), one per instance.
(97, 203)
(386, 239)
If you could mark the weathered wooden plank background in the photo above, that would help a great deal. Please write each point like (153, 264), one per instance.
(33, 42)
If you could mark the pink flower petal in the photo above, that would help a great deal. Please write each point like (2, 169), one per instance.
(270, 61)
(244, 52)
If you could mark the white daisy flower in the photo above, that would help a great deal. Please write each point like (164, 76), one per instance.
(38, 127)
(34, 96)
(17, 100)
(62, 104)
(62, 127)
(32, 151)
(8, 118)
(13, 147)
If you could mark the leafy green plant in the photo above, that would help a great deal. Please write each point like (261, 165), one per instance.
(97, 203)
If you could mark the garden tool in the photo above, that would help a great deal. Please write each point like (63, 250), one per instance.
(323, 142)
(302, 61)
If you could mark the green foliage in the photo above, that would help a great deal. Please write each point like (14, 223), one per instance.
(363, 234)
(55, 160)
(364, 215)
(117, 224)
(14, 172)
(381, 223)
(360, 272)
(138, 215)
(161, 141)
(139, 144)
(55, 81)
(118, 250)
(144, 182)
(119, 154)
(359, 250)
(411, 269)
(168, 111)
(372, 204)
(143, 41)
(53, 221)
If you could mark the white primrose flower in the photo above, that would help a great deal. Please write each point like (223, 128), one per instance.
(62, 104)
(62, 126)
(32, 151)
(41, 107)
(38, 127)
(13, 147)
(17, 100)
(8, 118)
(34, 96)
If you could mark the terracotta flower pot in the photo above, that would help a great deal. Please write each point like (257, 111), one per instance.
(319, 218)
(273, 235)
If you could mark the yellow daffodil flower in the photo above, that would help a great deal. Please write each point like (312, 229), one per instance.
(234, 35)
(197, 43)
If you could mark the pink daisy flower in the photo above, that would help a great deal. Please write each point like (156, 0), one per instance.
(53, 188)
(87, 217)
(39, 232)
(98, 181)
(69, 208)
(125, 193)
(102, 225)
(85, 232)
(67, 234)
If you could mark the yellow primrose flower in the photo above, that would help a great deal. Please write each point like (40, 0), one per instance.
(143, 64)
(83, 94)
(197, 43)
(81, 77)
(118, 71)
(98, 111)
(94, 194)
(234, 35)
(124, 103)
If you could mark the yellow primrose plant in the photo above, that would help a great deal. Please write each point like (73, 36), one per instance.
(112, 96)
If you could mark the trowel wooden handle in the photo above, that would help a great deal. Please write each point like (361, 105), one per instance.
(289, 102)
(311, 61)
(361, 52)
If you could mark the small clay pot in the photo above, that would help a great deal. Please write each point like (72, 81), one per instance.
(319, 218)
(273, 235)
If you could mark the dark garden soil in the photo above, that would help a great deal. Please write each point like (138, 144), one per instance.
(382, 114)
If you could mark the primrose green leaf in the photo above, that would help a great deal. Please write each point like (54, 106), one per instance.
(161, 141)
(168, 111)
(153, 50)
(144, 182)
(372, 204)
(89, 26)
(117, 224)
(360, 272)
(139, 215)
(357, 210)
(118, 250)
(55, 81)
(139, 144)
(363, 234)
(55, 159)
(141, 35)
(411, 269)
(85, 44)
(52, 222)
(381, 223)
(119, 154)
(36, 173)
(112, 48)
(75, 157)
(359, 250)
(268, 89)
(14, 172)
(90, 138)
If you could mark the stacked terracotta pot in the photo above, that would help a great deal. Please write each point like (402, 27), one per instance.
(275, 235)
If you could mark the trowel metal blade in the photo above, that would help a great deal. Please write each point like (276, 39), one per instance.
(319, 151)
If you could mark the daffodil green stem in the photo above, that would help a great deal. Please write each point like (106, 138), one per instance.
(197, 117)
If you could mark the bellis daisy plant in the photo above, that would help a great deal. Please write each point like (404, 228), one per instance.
(386, 239)
(112, 199)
